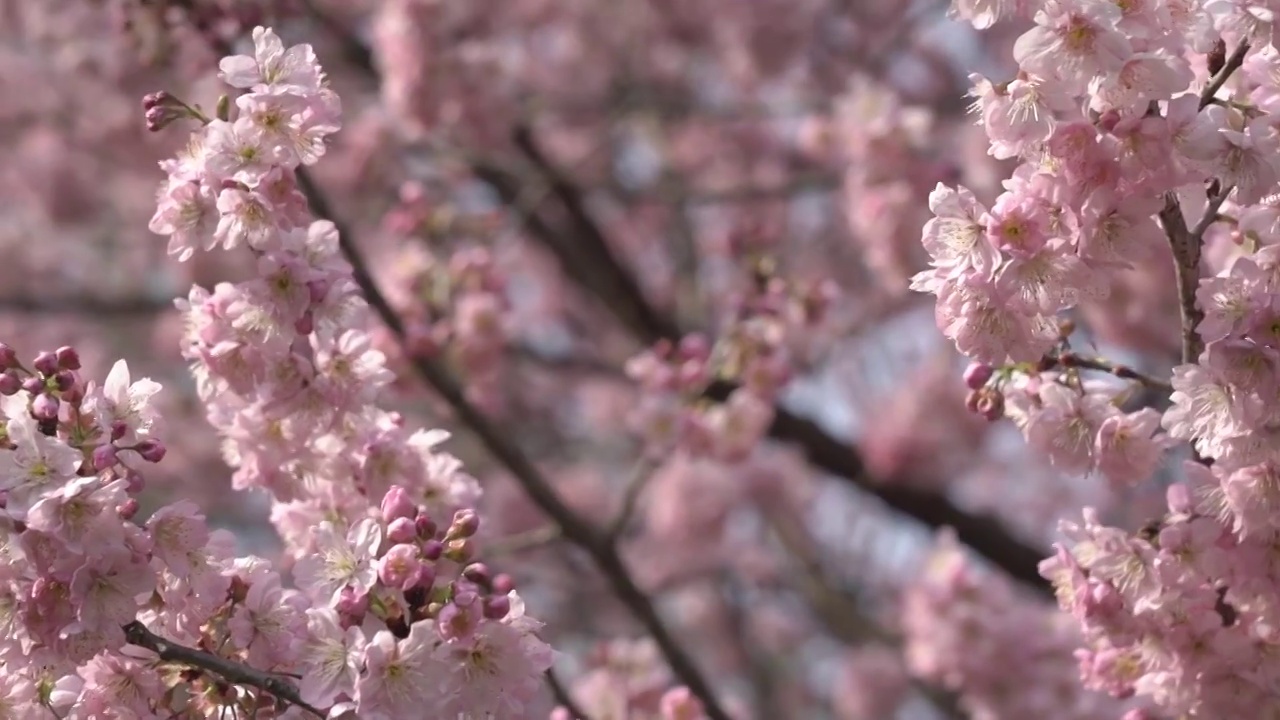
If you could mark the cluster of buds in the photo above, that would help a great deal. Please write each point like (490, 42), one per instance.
(423, 571)
(985, 397)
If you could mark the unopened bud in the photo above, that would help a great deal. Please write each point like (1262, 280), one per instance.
(432, 550)
(45, 407)
(151, 450)
(68, 358)
(104, 456)
(497, 607)
(502, 584)
(977, 375)
(10, 384)
(223, 109)
(465, 524)
(402, 530)
(128, 508)
(46, 363)
(397, 504)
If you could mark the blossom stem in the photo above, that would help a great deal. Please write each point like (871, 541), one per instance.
(137, 634)
(1072, 360)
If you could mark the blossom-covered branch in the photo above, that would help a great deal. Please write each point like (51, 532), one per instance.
(135, 633)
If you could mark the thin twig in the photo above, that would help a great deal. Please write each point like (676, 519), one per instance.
(519, 542)
(137, 634)
(640, 475)
(1124, 372)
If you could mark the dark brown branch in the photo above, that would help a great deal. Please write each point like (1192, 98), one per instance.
(535, 485)
(128, 307)
(137, 634)
(563, 698)
(589, 267)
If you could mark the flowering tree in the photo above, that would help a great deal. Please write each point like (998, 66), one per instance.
(652, 263)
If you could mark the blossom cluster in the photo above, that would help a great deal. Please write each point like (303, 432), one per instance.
(1002, 651)
(392, 615)
(454, 302)
(758, 351)
(1134, 130)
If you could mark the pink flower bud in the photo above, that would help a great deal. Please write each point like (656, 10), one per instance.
(119, 429)
(46, 363)
(977, 375)
(128, 508)
(426, 527)
(402, 530)
(64, 380)
(45, 407)
(33, 385)
(8, 357)
(397, 504)
(497, 607)
(104, 456)
(68, 358)
(432, 550)
(478, 573)
(151, 450)
(465, 524)
(502, 584)
(10, 384)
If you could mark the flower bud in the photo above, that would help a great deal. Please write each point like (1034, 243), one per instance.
(8, 357)
(465, 524)
(104, 456)
(33, 385)
(502, 584)
(151, 450)
(478, 573)
(497, 607)
(977, 375)
(223, 109)
(68, 358)
(46, 363)
(397, 504)
(45, 407)
(10, 384)
(432, 550)
(402, 530)
(128, 508)
(426, 527)
(64, 380)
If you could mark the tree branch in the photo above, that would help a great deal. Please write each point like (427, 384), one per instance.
(137, 634)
